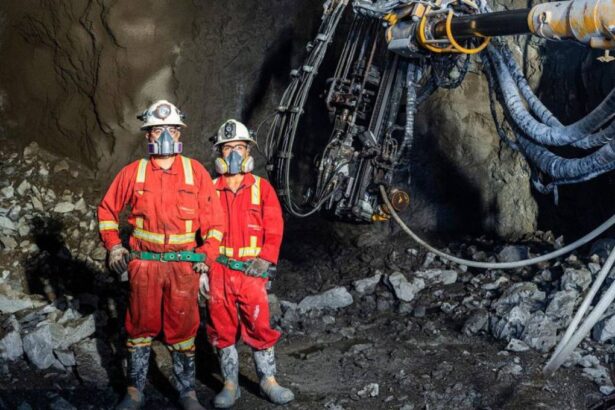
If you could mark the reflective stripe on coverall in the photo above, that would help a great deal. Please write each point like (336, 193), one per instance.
(253, 227)
(168, 207)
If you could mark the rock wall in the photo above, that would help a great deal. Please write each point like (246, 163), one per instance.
(79, 71)
(479, 184)
(82, 70)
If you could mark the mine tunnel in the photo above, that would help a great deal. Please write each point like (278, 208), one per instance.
(368, 318)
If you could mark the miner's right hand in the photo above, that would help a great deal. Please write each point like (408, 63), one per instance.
(118, 259)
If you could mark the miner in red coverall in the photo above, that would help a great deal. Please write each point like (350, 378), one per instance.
(172, 199)
(251, 244)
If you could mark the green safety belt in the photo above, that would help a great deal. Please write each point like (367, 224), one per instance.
(181, 256)
(232, 263)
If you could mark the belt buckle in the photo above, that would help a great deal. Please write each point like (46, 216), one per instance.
(178, 255)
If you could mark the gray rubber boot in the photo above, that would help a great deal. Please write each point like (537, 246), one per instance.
(229, 366)
(184, 375)
(190, 402)
(138, 363)
(264, 360)
(133, 400)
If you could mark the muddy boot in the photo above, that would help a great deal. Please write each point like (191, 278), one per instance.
(133, 400)
(184, 375)
(138, 362)
(190, 402)
(264, 360)
(229, 366)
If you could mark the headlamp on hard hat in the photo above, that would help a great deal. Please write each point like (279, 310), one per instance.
(161, 113)
(232, 130)
(229, 130)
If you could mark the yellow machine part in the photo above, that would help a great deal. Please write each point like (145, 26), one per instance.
(591, 22)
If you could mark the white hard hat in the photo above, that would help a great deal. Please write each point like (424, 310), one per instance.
(161, 112)
(233, 130)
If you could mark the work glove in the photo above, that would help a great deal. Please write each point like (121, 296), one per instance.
(204, 286)
(200, 267)
(118, 259)
(258, 267)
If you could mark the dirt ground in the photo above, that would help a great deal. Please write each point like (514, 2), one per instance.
(328, 359)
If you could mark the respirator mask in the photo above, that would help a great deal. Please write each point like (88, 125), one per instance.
(164, 145)
(234, 163)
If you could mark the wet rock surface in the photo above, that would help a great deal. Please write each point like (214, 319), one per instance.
(381, 326)
(102, 63)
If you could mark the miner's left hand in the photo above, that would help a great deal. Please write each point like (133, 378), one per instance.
(258, 267)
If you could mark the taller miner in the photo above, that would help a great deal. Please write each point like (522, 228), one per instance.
(172, 198)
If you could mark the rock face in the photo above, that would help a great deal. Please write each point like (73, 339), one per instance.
(102, 62)
(491, 181)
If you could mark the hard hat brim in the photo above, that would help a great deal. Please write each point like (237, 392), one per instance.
(145, 127)
(250, 140)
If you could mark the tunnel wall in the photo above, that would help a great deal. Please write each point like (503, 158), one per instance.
(82, 70)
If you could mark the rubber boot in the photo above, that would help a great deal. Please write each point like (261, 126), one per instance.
(264, 360)
(184, 375)
(229, 366)
(138, 363)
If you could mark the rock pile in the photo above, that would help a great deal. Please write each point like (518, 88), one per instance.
(29, 192)
(529, 308)
(49, 246)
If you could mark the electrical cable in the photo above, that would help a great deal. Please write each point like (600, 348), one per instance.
(503, 265)
(559, 356)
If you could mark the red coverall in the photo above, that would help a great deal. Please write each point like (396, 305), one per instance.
(167, 209)
(254, 227)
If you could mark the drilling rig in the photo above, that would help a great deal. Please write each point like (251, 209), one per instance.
(394, 55)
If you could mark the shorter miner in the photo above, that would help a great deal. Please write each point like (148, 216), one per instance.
(251, 244)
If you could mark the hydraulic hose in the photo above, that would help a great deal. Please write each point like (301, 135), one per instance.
(562, 170)
(558, 357)
(282, 132)
(413, 74)
(536, 106)
(503, 265)
(544, 134)
(594, 164)
(597, 139)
